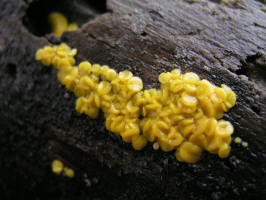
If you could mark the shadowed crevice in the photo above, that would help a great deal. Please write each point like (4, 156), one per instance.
(79, 11)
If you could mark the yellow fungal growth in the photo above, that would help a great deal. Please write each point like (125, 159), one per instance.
(184, 114)
(69, 172)
(155, 146)
(188, 152)
(60, 24)
(238, 140)
(138, 142)
(57, 167)
(245, 144)
(59, 56)
(72, 26)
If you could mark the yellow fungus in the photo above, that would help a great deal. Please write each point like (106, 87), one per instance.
(188, 152)
(238, 140)
(156, 146)
(224, 150)
(224, 128)
(182, 115)
(188, 100)
(244, 144)
(72, 26)
(69, 172)
(84, 68)
(59, 56)
(57, 167)
(138, 142)
(60, 24)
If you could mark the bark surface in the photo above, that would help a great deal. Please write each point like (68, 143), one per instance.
(222, 41)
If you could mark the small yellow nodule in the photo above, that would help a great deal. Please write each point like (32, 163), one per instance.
(69, 172)
(245, 144)
(238, 140)
(224, 128)
(188, 152)
(183, 114)
(224, 150)
(156, 146)
(60, 24)
(72, 26)
(139, 142)
(57, 167)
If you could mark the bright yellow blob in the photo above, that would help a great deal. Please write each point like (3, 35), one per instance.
(57, 166)
(60, 24)
(69, 172)
(138, 142)
(182, 115)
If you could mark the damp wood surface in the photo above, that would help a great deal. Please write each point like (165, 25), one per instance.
(222, 41)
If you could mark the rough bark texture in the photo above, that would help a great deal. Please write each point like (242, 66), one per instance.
(222, 41)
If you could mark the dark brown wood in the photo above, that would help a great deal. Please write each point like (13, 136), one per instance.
(223, 41)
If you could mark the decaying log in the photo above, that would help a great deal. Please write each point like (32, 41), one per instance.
(223, 41)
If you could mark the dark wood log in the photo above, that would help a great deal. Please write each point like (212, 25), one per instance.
(223, 41)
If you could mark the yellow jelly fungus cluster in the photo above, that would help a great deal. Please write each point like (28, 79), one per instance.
(183, 115)
(57, 56)
(60, 24)
(58, 168)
